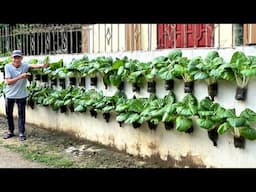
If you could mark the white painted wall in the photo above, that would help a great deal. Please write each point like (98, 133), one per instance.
(145, 142)
(116, 36)
(223, 35)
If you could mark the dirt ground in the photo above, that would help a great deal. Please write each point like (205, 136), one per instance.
(46, 149)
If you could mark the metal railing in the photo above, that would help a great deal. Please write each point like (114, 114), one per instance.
(39, 39)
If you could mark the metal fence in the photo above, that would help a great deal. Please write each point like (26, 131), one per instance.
(40, 39)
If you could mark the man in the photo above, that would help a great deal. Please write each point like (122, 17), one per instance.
(16, 74)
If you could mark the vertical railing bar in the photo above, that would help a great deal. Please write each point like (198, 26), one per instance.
(77, 42)
(37, 40)
(41, 38)
(10, 41)
(71, 40)
(58, 33)
(6, 40)
(14, 34)
(150, 37)
(27, 35)
(1, 40)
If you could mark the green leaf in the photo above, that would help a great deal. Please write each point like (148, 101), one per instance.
(122, 117)
(108, 108)
(223, 128)
(211, 55)
(174, 54)
(132, 118)
(229, 113)
(249, 72)
(68, 101)
(248, 114)
(236, 121)
(183, 123)
(205, 123)
(205, 103)
(205, 113)
(80, 108)
(165, 74)
(248, 133)
(200, 76)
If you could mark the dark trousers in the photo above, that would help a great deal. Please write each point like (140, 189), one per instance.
(9, 104)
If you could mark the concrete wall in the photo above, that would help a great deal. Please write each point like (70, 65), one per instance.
(182, 149)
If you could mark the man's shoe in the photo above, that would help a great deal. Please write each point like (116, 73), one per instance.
(8, 135)
(22, 138)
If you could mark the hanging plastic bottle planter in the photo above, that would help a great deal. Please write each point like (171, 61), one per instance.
(37, 77)
(71, 107)
(30, 78)
(213, 136)
(54, 82)
(94, 81)
(135, 87)
(168, 125)
(121, 86)
(31, 103)
(93, 113)
(45, 78)
(106, 116)
(72, 81)
(136, 125)
(169, 84)
(188, 87)
(63, 109)
(190, 130)
(62, 83)
(120, 123)
(151, 87)
(82, 82)
(239, 142)
(241, 93)
(213, 90)
(151, 125)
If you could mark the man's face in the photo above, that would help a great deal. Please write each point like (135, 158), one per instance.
(16, 61)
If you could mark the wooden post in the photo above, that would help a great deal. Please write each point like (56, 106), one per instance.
(249, 34)
(85, 37)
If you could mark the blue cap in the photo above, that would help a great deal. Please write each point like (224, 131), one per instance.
(17, 53)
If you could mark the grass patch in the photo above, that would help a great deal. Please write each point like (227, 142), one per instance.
(41, 155)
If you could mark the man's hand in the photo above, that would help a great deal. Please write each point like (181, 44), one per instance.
(45, 65)
(24, 75)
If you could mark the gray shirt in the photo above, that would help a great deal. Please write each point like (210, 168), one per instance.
(19, 88)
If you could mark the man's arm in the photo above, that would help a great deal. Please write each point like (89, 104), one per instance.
(10, 81)
(37, 66)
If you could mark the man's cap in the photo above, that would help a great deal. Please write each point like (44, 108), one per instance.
(17, 53)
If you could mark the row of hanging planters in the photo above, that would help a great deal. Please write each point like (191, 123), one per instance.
(168, 68)
(240, 68)
(209, 115)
